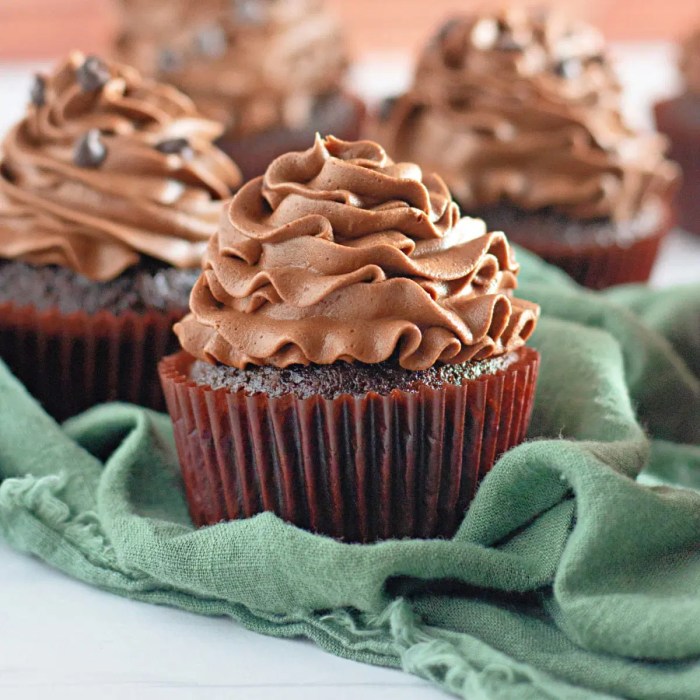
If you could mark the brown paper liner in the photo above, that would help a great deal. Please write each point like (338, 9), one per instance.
(71, 362)
(683, 130)
(358, 469)
(599, 267)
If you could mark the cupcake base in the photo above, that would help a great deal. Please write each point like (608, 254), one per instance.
(356, 467)
(679, 119)
(598, 253)
(149, 286)
(71, 362)
(339, 114)
(75, 343)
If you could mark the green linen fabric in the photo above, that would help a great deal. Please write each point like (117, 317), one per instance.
(575, 573)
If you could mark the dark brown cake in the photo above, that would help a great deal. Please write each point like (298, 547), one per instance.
(145, 287)
(332, 381)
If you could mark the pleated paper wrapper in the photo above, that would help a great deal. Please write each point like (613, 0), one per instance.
(599, 267)
(71, 362)
(358, 469)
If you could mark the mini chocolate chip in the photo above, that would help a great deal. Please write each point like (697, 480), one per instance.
(90, 152)
(447, 28)
(569, 68)
(452, 42)
(386, 107)
(92, 74)
(38, 91)
(169, 61)
(211, 41)
(180, 147)
(249, 11)
(505, 42)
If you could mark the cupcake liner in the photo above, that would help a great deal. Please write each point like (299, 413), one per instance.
(598, 266)
(683, 130)
(355, 468)
(71, 362)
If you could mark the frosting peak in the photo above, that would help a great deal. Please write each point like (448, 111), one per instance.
(107, 167)
(339, 254)
(522, 106)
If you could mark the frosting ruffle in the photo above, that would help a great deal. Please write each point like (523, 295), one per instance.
(108, 167)
(339, 254)
(522, 106)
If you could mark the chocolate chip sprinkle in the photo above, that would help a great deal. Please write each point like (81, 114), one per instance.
(92, 74)
(211, 41)
(37, 92)
(569, 68)
(386, 107)
(90, 151)
(249, 11)
(180, 147)
(446, 29)
(506, 42)
(169, 61)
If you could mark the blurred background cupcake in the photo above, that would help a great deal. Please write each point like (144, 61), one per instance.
(679, 118)
(271, 70)
(355, 357)
(519, 110)
(110, 187)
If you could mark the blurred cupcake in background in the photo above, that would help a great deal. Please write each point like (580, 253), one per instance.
(270, 70)
(679, 119)
(110, 187)
(355, 357)
(519, 111)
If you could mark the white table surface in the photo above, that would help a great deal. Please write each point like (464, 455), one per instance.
(60, 638)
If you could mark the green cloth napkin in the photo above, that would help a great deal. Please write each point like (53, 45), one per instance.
(572, 576)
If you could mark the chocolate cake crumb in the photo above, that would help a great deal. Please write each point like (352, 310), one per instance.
(547, 225)
(332, 381)
(148, 286)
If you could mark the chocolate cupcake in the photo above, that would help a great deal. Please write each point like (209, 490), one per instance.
(679, 119)
(110, 187)
(519, 111)
(271, 70)
(355, 359)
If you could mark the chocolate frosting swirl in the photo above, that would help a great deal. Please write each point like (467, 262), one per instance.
(522, 106)
(107, 168)
(339, 254)
(252, 64)
(690, 62)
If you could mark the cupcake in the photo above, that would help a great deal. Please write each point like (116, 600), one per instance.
(354, 360)
(679, 119)
(271, 70)
(110, 188)
(520, 112)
